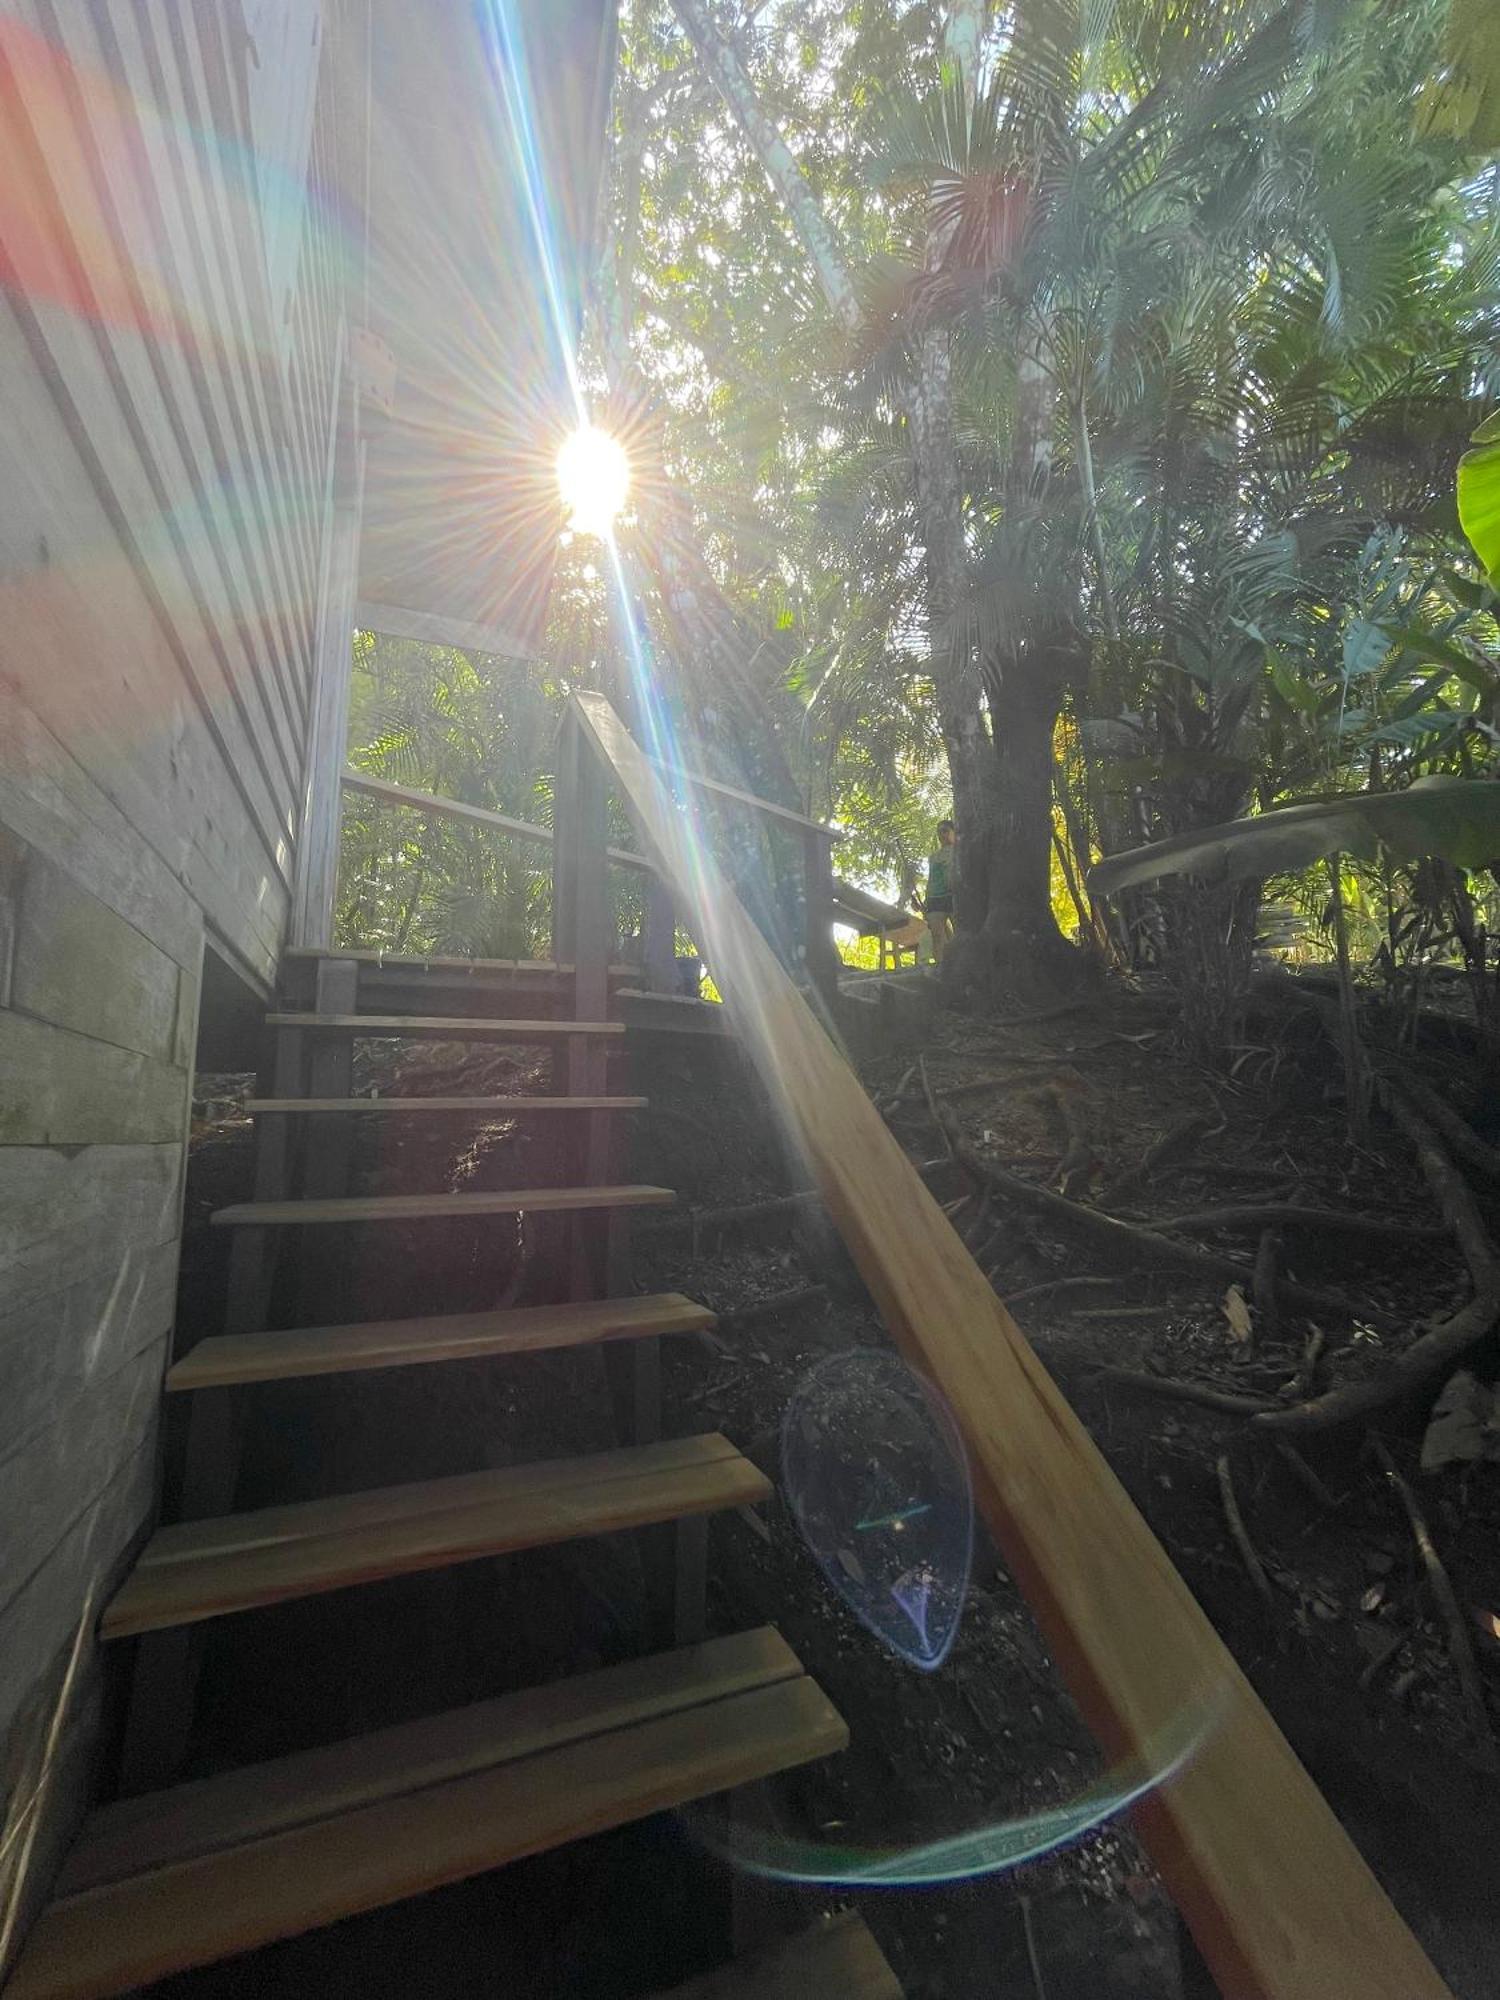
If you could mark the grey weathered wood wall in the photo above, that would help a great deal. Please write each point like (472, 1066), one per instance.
(173, 269)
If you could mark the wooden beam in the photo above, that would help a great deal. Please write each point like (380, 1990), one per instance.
(1280, 1902)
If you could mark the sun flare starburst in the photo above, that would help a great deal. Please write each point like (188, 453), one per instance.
(593, 475)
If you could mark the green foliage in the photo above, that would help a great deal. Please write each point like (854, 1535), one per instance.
(1196, 268)
(467, 727)
(1479, 495)
(1454, 819)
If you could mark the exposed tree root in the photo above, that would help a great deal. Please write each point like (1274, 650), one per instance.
(1128, 1241)
(1180, 1139)
(1291, 1215)
(1460, 1648)
(1229, 1401)
(1431, 1357)
(1462, 1140)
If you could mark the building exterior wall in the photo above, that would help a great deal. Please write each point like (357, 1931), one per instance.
(170, 371)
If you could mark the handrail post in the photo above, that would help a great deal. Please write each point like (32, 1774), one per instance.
(582, 933)
(659, 937)
(821, 952)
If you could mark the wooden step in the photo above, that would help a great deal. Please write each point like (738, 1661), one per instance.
(383, 961)
(204, 1569)
(180, 1878)
(473, 1107)
(837, 1959)
(442, 1027)
(423, 1207)
(402, 1343)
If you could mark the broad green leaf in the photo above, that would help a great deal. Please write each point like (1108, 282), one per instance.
(1455, 818)
(1290, 685)
(1479, 501)
(1475, 673)
(1365, 646)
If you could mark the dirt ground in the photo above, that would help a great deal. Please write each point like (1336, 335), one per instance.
(1350, 1651)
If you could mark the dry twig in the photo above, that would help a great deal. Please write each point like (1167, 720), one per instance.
(1264, 1284)
(772, 1303)
(1238, 1532)
(1230, 1401)
(1378, 1662)
(932, 1105)
(1051, 1285)
(1320, 1491)
(1312, 1354)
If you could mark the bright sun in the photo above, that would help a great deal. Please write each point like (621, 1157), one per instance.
(593, 474)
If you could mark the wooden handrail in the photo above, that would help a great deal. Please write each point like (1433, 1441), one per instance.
(441, 808)
(751, 799)
(1280, 1902)
(817, 840)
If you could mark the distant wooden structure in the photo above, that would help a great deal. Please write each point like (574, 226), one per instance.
(275, 343)
(895, 929)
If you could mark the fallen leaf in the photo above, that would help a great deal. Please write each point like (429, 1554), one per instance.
(1237, 1312)
(1464, 1426)
(1373, 1598)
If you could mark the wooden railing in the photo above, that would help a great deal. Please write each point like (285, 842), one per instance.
(657, 943)
(1279, 1901)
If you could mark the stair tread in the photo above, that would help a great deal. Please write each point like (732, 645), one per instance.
(206, 1569)
(206, 1870)
(837, 1956)
(396, 1343)
(448, 962)
(420, 1207)
(477, 1106)
(444, 1027)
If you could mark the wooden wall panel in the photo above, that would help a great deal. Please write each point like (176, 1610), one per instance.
(65, 1212)
(80, 966)
(61, 1089)
(48, 800)
(40, 1618)
(82, 648)
(54, 1478)
(164, 506)
(51, 1348)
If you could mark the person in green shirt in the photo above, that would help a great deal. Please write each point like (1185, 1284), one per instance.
(937, 905)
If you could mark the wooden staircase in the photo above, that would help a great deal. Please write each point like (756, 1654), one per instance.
(178, 1875)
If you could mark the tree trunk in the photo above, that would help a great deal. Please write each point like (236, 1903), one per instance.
(1024, 950)
(1002, 793)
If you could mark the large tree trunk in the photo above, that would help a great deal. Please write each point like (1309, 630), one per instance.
(1018, 948)
(999, 795)
(1024, 707)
